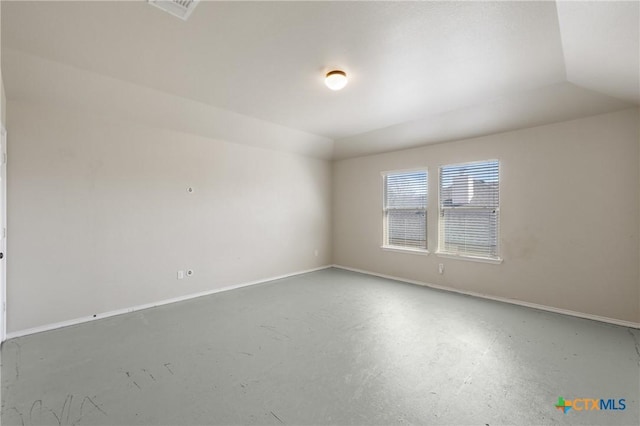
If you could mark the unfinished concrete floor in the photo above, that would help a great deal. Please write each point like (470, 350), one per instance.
(328, 347)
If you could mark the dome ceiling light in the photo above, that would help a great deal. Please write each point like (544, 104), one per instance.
(336, 79)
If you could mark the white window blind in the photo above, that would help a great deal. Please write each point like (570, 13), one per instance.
(405, 209)
(470, 209)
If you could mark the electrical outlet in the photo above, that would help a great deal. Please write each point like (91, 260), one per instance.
(189, 272)
(440, 268)
(180, 275)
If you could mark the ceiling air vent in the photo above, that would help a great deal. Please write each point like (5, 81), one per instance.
(180, 8)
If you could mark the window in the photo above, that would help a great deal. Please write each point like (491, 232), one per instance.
(405, 210)
(470, 209)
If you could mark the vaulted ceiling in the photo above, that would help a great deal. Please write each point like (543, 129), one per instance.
(420, 72)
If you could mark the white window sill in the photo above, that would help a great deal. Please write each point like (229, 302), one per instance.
(398, 249)
(470, 258)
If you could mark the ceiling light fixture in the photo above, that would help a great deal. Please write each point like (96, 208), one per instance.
(336, 79)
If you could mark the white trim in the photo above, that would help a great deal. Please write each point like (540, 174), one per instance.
(599, 318)
(53, 326)
(384, 173)
(470, 258)
(467, 163)
(400, 249)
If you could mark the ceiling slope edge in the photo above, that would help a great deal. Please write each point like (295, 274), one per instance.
(551, 104)
(32, 78)
(601, 46)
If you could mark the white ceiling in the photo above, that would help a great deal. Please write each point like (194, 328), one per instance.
(420, 72)
(601, 43)
(534, 107)
(42, 82)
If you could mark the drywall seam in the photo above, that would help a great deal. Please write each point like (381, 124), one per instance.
(498, 299)
(53, 326)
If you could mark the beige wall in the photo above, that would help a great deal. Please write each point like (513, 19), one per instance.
(100, 218)
(570, 216)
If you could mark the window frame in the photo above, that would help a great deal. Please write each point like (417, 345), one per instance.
(440, 252)
(385, 226)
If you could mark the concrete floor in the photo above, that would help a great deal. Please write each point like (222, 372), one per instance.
(329, 347)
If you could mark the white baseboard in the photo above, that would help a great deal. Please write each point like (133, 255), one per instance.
(500, 299)
(81, 320)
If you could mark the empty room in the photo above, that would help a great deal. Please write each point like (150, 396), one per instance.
(319, 213)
